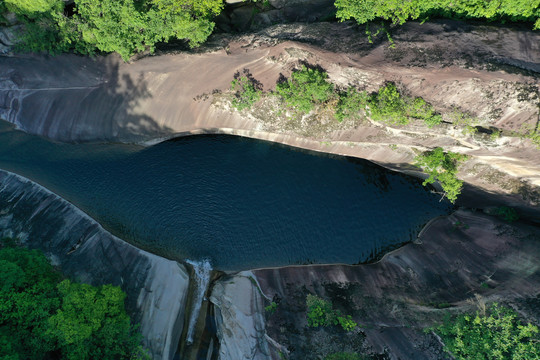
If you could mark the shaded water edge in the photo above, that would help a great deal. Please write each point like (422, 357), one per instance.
(285, 203)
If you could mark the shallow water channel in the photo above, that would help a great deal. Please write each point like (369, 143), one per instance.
(241, 203)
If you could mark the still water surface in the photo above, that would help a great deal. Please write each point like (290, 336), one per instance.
(241, 203)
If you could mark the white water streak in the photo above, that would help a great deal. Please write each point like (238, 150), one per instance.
(202, 271)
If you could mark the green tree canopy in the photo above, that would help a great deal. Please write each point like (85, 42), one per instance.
(42, 316)
(497, 335)
(122, 26)
(442, 167)
(306, 88)
(398, 12)
(29, 7)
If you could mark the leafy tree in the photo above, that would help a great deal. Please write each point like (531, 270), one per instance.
(91, 323)
(271, 308)
(351, 104)
(306, 88)
(389, 105)
(498, 335)
(364, 11)
(28, 297)
(442, 166)
(30, 7)
(398, 12)
(202, 8)
(346, 322)
(246, 91)
(418, 108)
(321, 313)
(122, 26)
(42, 317)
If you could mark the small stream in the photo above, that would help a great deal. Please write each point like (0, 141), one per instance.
(238, 202)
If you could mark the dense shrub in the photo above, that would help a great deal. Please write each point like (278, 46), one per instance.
(507, 213)
(351, 104)
(390, 106)
(398, 12)
(498, 335)
(271, 308)
(306, 88)
(42, 316)
(387, 105)
(31, 7)
(442, 167)
(246, 91)
(309, 87)
(321, 313)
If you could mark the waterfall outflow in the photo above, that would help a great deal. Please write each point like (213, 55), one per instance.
(202, 271)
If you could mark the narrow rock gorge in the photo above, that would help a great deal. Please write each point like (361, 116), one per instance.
(459, 262)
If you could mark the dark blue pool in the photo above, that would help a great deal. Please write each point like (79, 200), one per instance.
(239, 202)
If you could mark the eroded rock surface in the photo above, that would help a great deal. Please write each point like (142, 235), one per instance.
(239, 308)
(156, 287)
(462, 262)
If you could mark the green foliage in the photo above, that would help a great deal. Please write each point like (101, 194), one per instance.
(28, 297)
(535, 137)
(345, 356)
(420, 109)
(305, 89)
(122, 26)
(271, 308)
(321, 313)
(91, 323)
(41, 316)
(442, 166)
(498, 335)
(346, 322)
(364, 11)
(246, 91)
(388, 105)
(495, 134)
(351, 104)
(469, 130)
(398, 12)
(507, 213)
(201, 8)
(30, 7)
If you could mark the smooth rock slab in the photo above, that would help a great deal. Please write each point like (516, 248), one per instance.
(240, 322)
(156, 288)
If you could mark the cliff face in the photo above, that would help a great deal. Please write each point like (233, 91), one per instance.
(156, 288)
